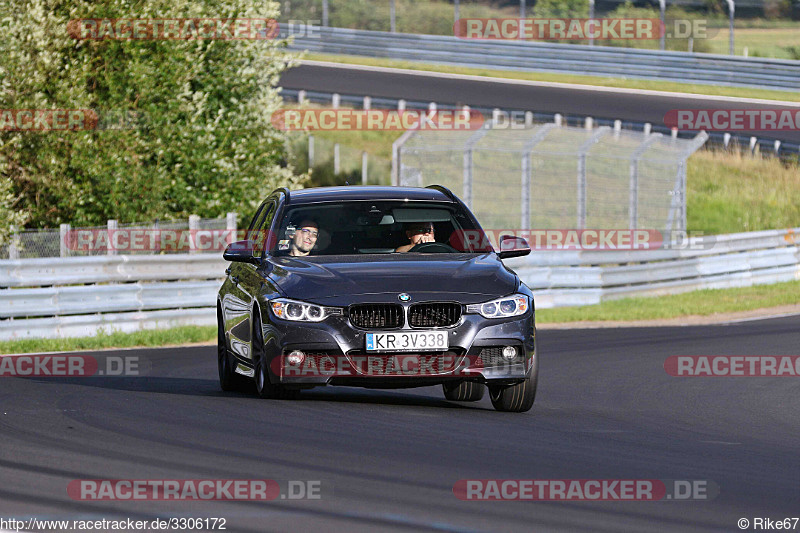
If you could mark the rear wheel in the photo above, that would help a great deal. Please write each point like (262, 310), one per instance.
(516, 398)
(264, 388)
(464, 391)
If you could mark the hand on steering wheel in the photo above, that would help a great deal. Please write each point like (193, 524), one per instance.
(433, 247)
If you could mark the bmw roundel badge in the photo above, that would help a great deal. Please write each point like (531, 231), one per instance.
(404, 297)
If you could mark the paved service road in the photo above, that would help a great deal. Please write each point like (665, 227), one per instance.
(388, 460)
(610, 103)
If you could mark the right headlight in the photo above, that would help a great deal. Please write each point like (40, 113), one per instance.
(514, 305)
(301, 311)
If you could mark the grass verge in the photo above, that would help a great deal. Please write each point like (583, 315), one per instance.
(701, 303)
(652, 85)
(144, 338)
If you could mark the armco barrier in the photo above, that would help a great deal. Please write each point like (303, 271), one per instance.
(566, 58)
(77, 296)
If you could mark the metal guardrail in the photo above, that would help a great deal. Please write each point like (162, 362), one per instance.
(49, 298)
(563, 58)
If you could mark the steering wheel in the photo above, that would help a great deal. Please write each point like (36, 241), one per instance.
(433, 247)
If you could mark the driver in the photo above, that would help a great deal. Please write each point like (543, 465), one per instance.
(417, 233)
(305, 238)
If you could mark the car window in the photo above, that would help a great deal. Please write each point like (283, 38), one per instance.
(379, 227)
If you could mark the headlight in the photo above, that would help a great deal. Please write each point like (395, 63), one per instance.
(301, 311)
(514, 305)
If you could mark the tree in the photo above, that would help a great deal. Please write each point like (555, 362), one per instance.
(183, 124)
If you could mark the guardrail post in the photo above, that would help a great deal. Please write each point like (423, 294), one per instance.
(335, 100)
(301, 96)
(367, 103)
(64, 234)
(230, 226)
(194, 226)
(558, 119)
(111, 227)
(364, 168)
(401, 105)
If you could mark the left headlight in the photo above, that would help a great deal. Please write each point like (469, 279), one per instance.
(514, 305)
(297, 311)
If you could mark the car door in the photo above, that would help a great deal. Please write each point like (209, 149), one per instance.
(238, 295)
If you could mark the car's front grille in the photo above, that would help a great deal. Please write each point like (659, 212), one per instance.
(376, 316)
(434, 315)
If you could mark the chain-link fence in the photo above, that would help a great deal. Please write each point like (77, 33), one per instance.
(191, 235)
(333, 163)
(548, 176)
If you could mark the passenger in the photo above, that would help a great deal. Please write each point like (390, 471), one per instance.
(305, 238)
(418, 233)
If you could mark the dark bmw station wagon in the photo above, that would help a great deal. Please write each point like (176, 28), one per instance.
(381, 287)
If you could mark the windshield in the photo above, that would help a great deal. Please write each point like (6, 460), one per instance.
(377, 227)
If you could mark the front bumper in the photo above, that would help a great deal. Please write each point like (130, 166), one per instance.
(335, 354)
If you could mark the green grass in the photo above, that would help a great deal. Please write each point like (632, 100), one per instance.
(760, 42)
(144, 338)
(654, 85)
(703, 303)
(731, 193)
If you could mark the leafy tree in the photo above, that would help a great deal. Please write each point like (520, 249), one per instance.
(183, 124)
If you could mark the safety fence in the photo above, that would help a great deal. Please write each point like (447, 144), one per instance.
(79, 296)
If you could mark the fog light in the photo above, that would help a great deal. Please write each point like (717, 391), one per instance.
(509, 353)
(296, 358)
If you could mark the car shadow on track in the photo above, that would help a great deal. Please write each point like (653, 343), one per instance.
(210, 388)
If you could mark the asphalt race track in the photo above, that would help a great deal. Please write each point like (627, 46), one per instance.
(608, 103)
(388, 460)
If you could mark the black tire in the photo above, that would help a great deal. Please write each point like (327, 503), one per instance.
(463, 391)
(265, 388)
(228, 380)
(516, 398)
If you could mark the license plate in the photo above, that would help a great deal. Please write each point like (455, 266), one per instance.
(407, 341)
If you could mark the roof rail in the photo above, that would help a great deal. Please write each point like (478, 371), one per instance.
(445, 190)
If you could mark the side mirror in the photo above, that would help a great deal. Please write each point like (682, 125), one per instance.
(511, 246)
(241, 252)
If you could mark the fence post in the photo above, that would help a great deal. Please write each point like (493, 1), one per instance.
(64, 234)
(111, 227)
(325, 13)
(582, 151)
(230, 225)
(633, 195)
(456, 12)
(310, 152)
(13, 244)
(527, 178)
(194, 225)
(392, 24)
(363, 168)
(336, 158)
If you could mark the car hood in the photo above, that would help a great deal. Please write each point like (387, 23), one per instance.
(335, 280)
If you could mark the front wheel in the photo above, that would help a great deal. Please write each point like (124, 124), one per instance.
(464, 391)
(264, 388)
(516, 398)
(228, 380)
